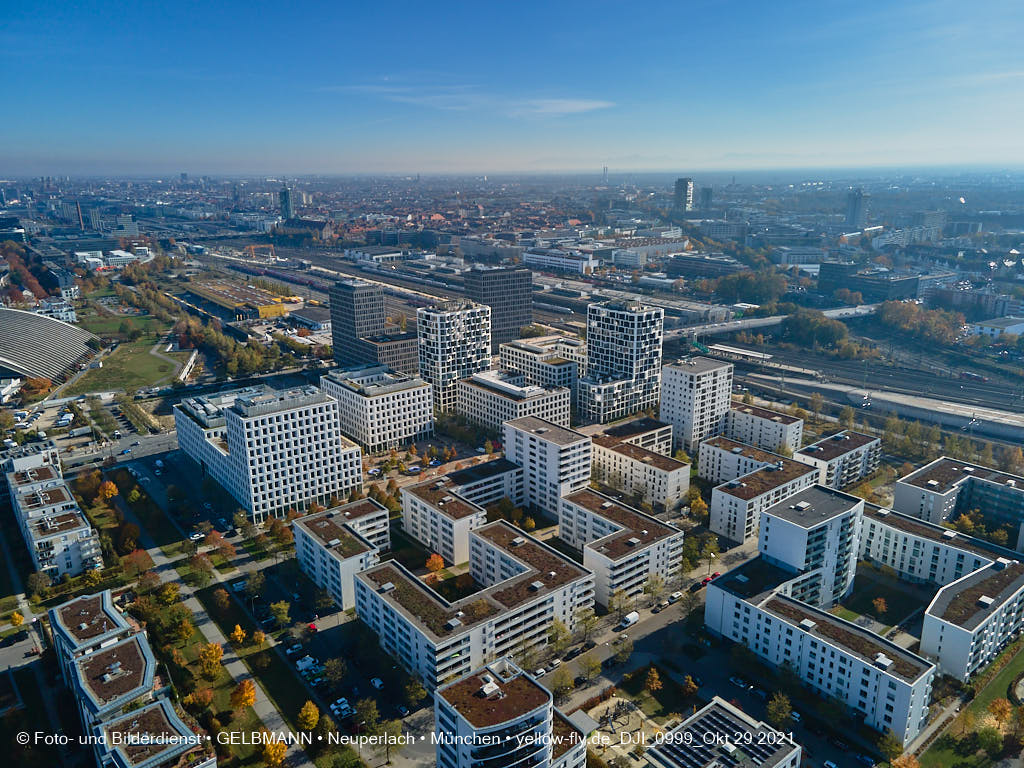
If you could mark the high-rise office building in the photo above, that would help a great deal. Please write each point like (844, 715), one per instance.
(705, 198)
(623, 360)
(287, 204)
(684, 194)
(695, 399)
(508, 291)
(454, 343)
(357, 310)
(856, 209)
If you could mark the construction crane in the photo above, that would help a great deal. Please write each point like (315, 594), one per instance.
(268, 247)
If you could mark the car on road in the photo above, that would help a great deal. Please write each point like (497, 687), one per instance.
(402, 711)
(126, 451)
(705, 581)
(377, 683)
(864, 759)
(197, 536)
(374, 472)
(136, 443)
(572, 653)
(797, 717)
(554, 664)
(157, 472)
(739, 682)
(434, 463)
(829, 764)
(207, 505)
(579, 681)
(293, 649)
(675, 597)
(660, 607)
(238, 586)
(716, 574)
(539, 672)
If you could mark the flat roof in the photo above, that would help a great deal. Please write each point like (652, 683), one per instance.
(698, 364)
(970, 600)
(87, 618)
(742, 449)
(813, 506)
(641, 454)
(51, 525)
(872, 649)
(34, 475)
(633, 427)
(836, 445)
(765, 479)
(723, 734)
(483, 471)
(333, 533)
(151, 736)
(41, 498)
(547, 430)
(441, 495)
(754, 580)
(946, 536)
(942, 474)
(764, 413)
(499, 387)
(494, 695)
(120, 671)
(638, 529)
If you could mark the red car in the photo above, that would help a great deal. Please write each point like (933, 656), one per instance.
(705, 581)
(716, 574)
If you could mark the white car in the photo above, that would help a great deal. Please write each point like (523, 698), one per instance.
(197, 536)
(377, 683)
(540, 672)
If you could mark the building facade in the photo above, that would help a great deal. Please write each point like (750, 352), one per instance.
(491, 398)
(655, 479)
(843, 459)
(555, 461)
(764, 428)
(695, 399)
(454, 343)
(508, 291)
(736, 505)
(550, 361)
(437, 517)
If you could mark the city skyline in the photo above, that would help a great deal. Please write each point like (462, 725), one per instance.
(567, 89)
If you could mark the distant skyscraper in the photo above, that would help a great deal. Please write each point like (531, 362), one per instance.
(287, 205)
(605, 175)
(705, 198)
(508, 291)
(455, 343)
(184, 177)
(856, 209)
(684, 194)
(357, 310)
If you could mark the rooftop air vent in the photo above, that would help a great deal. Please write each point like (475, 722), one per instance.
(536, 586)
(633, 541)
(985, 601)
(949, 534)
(882, 661)
(803, 505)
(808, 624)
(333, 542)
(517, 541)
(932, 483)
(452, 623)
(605, 504)
(489, 689)
(386, 587)
(968, 469)
(737, 449)
(486, 679)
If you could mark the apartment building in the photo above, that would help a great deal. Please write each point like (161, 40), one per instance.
(555, 461)
(548, 361)
(695, 399)
(722, 459)
(508, 291)
(526, 585)
(154, 736)
(115, 679)
(491, 398)
(843, 459)
(621, 546)
(817, 532)
(883, 683)
(272, 451)
(58, 536)
(500, 713)
(644, 432)
(655, 479)
(379, 408)
(85, 625)
(556, 260)
(623, 373)
(454, 343)
(437, 517)
(764, 428)
(736, 505)
(947, 488)
(488, 483)
(331, 551)
(721, 734)
(972, 619)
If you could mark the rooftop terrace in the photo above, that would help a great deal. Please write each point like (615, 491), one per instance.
(766, 479)
(496, 694)
(638, 530)
(88, 617)
(836, 445)
(945, 473)
(970, 600)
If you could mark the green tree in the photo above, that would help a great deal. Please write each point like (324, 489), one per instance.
(779, 710)
(414, 693)
(655, 587)
(308, 717)
(846, 417)
(368, 714)
(334, 670)
(589, 666)
(817, 403)
(890, 745)
(586, 621)
(561, 681)
(559, 637)
(619, 603)
(280, 611)
(990, 741)
(624, 651)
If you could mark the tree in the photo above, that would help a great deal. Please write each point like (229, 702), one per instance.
(561, 681)
(817, 402)
(529, 524)
(1000, 709)
(905, 761)
(368, 714)
(991, 741)
(201, 568)
(624, 652)
(92, 578)
(274, 752)
(699, 509)
(435, 563)
(655, 586)
(37, 584)
(17, 619)
(169, 593)
(846, 417)
(280, 611)
(325, 727)
(309, 716)
(254, 586)
(334, 670)
(210, 655)
(890, 745)
(237, 635)
(259, 637)
(589, 666)
(586, 621)
(653, 680)
(881, 606)
(244, 695)
(414, 693)
(559, 636)
(221, 599)
(618, 603)
(107, 490)
(690, 687)
(779, 709)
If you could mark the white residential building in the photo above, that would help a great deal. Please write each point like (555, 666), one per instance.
(499, 713)
(435, 515)
(525, 586)
(491, 398)
(717, 734)
(815, 532)
(59, 538)
(843, 459)
(658, 480)
(763, 428)
(736, 505)
(488, 483)
(272, 451)
(998, 326)
(379, 408)
(84, 625)
(644, 432)
(696, 395)
(549, 361)
(623, 361)
(555, 260)
(454, 343)
(59, 309)
(622, 547)
(555, 460)
(331, 552)
(722, 459)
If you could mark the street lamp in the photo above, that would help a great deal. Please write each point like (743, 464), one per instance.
(712, 557)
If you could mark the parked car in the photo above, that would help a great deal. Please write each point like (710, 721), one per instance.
(739, 682)
(865, 759)
(797, 717)
(829, 764)
(434, 463)
(588, 645)
(539, 672)
(293, 649)
(197, 536)
(402, 710)
(554, 664)
(377, 683)
(660, 607)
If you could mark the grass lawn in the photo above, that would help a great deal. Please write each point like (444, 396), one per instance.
(110, 325)
(129, 366)
(257, 554)
(900, 598)
(661, 704)
(944, 752)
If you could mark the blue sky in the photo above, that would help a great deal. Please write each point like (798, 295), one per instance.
(278, 87)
